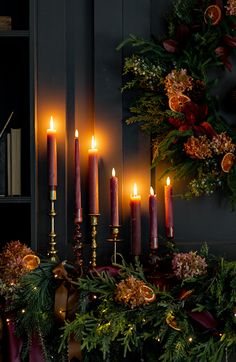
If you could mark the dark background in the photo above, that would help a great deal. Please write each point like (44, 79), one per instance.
(79, 76)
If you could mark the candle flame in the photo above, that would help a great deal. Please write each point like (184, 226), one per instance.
(76, 133)
(51, 123)
(113, 172)
(135, 190)
(168, 181)
(93, 143)
(151, 191)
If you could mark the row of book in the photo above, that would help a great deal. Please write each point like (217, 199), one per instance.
(10, 161)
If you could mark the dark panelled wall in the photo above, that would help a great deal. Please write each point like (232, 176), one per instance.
(79, 77)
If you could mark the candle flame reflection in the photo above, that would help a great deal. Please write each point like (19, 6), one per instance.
(168, 181)
(113, 172)
(151, 191)
(76, 133)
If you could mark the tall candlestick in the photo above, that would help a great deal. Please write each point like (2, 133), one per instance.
(169, 210)
(153, 220)
(135, 206)
(93, 178)
(114, 199)
(52, 155)
(78, 209)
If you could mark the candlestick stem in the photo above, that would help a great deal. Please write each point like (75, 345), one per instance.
(52, 253)
(94, 223)
(78, 244)
(114, 239)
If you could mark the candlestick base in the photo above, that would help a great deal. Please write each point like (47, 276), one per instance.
(52, 252)
(114, 239)
(78, 244)
(94, 223)
(153, 259)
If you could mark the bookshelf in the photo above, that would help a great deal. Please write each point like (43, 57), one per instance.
(17, 212)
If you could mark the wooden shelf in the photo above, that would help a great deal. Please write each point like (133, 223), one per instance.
(15, 199)
(14, 33)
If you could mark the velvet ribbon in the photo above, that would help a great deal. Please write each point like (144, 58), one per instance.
(65, 305)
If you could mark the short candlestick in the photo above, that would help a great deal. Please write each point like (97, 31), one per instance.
(52, 253)
(115, 230)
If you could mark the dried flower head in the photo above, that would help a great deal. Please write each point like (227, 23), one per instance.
(231, 7)
(188, 265)
(11, 261)
(222, 143)
(130, 291)
(177, 82)
(198, 147)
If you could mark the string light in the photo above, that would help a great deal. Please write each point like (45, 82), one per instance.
(190, 339)
(23, 311)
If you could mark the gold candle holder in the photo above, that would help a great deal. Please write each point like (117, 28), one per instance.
(94, 223)
(78, 244)
(115, 230)
(52, 253)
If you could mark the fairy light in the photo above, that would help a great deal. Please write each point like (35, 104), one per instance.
(190, 339)
(23, 311)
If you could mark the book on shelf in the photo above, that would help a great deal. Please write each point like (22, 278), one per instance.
(5, 23)
(15, 162)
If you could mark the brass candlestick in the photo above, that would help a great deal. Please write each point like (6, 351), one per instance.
(114, 239)
(52, 253)
(78, 244)
(94, 223)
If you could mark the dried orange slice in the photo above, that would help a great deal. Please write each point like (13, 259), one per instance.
(177, 102)
(212, 15)
(31, 261)
(147, 293)
(171, 321)
(227, 161)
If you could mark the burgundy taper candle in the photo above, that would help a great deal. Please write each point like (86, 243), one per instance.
(52, 155)
(135, 208)
(169, 223)
(153, 226)
(114, 199)
(93, 179)
(78, 208)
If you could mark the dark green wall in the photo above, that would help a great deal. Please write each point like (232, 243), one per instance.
(79, 76)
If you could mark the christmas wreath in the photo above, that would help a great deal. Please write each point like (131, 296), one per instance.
(177, 79)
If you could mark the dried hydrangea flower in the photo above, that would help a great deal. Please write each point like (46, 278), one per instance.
(231, 7)
(188, 265)
(178, 81)
(198, 147)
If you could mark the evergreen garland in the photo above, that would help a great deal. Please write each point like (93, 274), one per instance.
(177, 102)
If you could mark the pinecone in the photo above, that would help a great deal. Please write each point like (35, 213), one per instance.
(198, 91)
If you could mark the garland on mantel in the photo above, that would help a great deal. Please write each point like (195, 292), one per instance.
(177, 79)
(183, 309)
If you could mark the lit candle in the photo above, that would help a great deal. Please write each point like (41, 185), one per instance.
(135, 206)
(52, 155)
(114, 199)
(153, 220)
(169, 210)
(78, 209)
(93, 178)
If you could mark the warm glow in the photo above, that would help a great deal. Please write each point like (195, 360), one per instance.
(113, 172)
(151, 191)
(135, 190)
(168, 181)
(93, 143)
(51, 123)
(76, 133)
